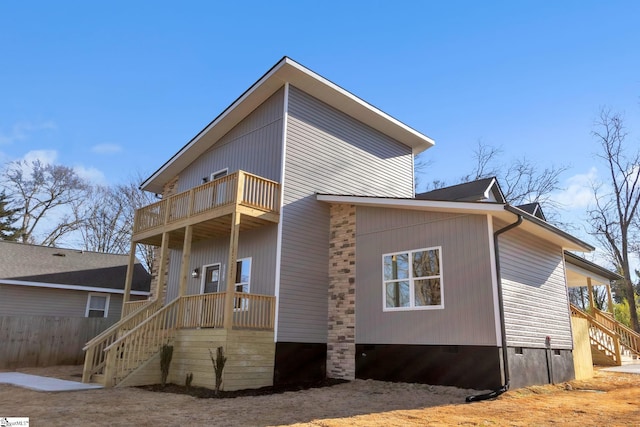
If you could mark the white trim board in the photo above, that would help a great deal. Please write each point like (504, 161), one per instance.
(70, 287)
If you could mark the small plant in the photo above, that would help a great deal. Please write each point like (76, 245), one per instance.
(218, 366)
(166, 353)
(188, 379)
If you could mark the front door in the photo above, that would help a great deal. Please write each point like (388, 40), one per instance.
(211, 312)
(211, 279)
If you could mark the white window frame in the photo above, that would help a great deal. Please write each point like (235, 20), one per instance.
(244, 305)
(204, 275)
(106, 304)
(225, 170)
(412, 280)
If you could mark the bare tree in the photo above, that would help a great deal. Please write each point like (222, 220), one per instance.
(52, 197)
(136, 200)
(109, 221)
(521, 180)
(616, 200)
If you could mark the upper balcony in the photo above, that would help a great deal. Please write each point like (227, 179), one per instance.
(208, 208)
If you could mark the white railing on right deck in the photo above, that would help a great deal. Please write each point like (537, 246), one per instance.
(628, 337)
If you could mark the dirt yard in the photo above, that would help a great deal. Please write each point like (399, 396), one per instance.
(609, 399)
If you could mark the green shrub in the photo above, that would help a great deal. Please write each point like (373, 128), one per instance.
(166, 353)
(218, 366)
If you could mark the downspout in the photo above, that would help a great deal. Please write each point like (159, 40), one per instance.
(505, 360)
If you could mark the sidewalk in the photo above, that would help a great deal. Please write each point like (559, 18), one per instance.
(38, 383)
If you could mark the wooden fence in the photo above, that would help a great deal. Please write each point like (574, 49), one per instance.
(27, 341)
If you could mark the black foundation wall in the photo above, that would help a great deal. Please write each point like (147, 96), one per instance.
(299, 362)
(476, 367)
(534, 366)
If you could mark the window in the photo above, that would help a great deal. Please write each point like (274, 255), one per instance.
(412, 279)
(243, 277)
(220, 196)
(97, 305)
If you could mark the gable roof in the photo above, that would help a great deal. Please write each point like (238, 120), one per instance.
(45, 266)
(534, 209)
(286, 70)
(505, 212)
(481, 190)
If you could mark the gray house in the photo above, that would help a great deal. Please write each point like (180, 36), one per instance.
(290, 234)
(46, 281)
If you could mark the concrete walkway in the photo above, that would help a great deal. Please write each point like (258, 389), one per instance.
(631, 368)
(38, 383)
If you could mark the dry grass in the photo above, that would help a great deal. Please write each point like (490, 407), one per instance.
(608, 399)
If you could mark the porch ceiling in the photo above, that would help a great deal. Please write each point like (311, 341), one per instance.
(214, 228)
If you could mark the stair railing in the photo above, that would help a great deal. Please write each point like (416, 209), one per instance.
(129, 351)
(629, 338)
(605, 339)
(94, 359)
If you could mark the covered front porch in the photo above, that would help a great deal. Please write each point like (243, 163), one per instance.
(609, 339)
(223, 207)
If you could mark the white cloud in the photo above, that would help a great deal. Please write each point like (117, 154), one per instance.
(46, 157)
(106, 148)
(90, 174)
(21, 130)
(578, 193)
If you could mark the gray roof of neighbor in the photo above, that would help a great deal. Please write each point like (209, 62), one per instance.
(466, 192)
(32, 263)
(533, 209)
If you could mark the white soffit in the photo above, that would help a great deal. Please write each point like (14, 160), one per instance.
(317, 86)
(472, 208)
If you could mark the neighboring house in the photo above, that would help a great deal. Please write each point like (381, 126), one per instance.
(47, 281)
(292, 237)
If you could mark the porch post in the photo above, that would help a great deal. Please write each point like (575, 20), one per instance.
(129, 278)
(186, 257)
(231, 271)
(609, 299)
(590, 290)
(162, 267)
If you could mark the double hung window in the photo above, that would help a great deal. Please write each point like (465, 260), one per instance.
(412, 279)
(97, 305)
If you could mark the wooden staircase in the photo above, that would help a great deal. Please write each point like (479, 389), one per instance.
(122, 349)
(609, 338)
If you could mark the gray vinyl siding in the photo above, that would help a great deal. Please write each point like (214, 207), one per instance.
(30, 300)
(258, 244)
(326, 152)
(468, 314)
(535, 295)
(253, 145)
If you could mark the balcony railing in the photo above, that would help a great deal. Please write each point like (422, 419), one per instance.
(240, 188)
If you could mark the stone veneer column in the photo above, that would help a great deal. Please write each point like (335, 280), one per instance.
(341, 342)
(169, 189)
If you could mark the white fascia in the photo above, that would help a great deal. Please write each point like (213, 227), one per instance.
(70, 287)
(494, 282)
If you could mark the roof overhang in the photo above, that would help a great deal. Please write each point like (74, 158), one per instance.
(506, 213)
(580, 271)
(286, 70)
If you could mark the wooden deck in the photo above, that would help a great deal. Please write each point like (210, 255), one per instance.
(209, 209)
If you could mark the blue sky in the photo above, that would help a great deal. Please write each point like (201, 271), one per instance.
(115, 88)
